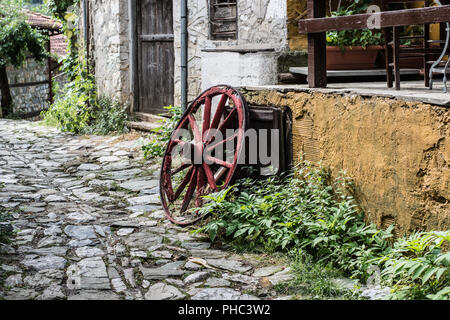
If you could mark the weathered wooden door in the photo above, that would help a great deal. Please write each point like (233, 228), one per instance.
(155, 55)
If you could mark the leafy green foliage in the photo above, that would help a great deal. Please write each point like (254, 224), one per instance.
(313, 280)
(75, 104)
(303, 210)
(157, 146)
(110, 117)
(64, 11)
(418, 267)
(308, 212)
(59, 8)
(18, 39)
(41, 8)
(78, 109)
(359, 37)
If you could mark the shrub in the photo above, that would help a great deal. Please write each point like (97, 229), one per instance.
(305, 211)
(74, 105)
(110, 117)
(302, 210)
(78, 109)
(418, 267)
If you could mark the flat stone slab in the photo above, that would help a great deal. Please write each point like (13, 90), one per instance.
(80, 232)
(89, 252)
(94, 295)
(143, 240)
(267, 271)
(168, 270)
(139, 185)
(162, 291)
(229, 265)
(145, 200)
(217, 283)
(39, 263)
(222, 294)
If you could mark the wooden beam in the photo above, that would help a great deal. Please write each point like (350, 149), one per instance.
(134, 80)
(317, 51)
(395, 18)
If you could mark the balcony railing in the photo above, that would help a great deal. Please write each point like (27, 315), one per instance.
(317, 25)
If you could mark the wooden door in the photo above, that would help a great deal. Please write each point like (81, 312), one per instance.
(155, 55)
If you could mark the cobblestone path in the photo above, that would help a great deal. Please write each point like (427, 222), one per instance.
(90, 226)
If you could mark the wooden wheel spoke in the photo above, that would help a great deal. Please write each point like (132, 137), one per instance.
(226, 123)
(195, 130)
(219, 162)
(219, 111)
(200, 187)
(178, 142)
(214, 146)
(206, 116)
(183, 167)
(183, 185)
(210, 177)
(190, 191)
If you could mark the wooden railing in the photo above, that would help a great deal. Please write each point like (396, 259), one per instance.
(317, 25)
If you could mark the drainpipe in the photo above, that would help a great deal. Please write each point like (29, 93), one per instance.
(86, 29)
(184, 54)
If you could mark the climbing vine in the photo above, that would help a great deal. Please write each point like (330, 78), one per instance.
(78, 107)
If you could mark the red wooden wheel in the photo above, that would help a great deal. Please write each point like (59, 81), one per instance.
(193, 165)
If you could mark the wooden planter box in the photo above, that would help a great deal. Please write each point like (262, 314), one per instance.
(352, 58)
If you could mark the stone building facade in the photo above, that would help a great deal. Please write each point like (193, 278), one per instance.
(262, 25)
(262, 31)
(109, 47)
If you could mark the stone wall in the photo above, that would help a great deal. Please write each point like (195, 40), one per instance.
(28, 99)
(110, 47)
(397, 152)
(261, 22)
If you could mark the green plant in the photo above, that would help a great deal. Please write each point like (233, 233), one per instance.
(359, 37)
(18, 41)
(66, 12)
(313, 280)
(418, 267)
(301, 210)
(110, 117)
(75, 104)
(314, 216)
(157, 146)
(5, 229)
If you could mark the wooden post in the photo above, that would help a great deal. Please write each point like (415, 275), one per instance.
(317, 53)
(396, 54)
(50, 78)
(134, 80)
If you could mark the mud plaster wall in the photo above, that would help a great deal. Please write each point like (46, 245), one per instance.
(397, 152)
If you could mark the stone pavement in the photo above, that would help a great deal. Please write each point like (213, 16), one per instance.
(90, 226)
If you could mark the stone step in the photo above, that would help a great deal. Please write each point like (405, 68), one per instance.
(143, 125)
